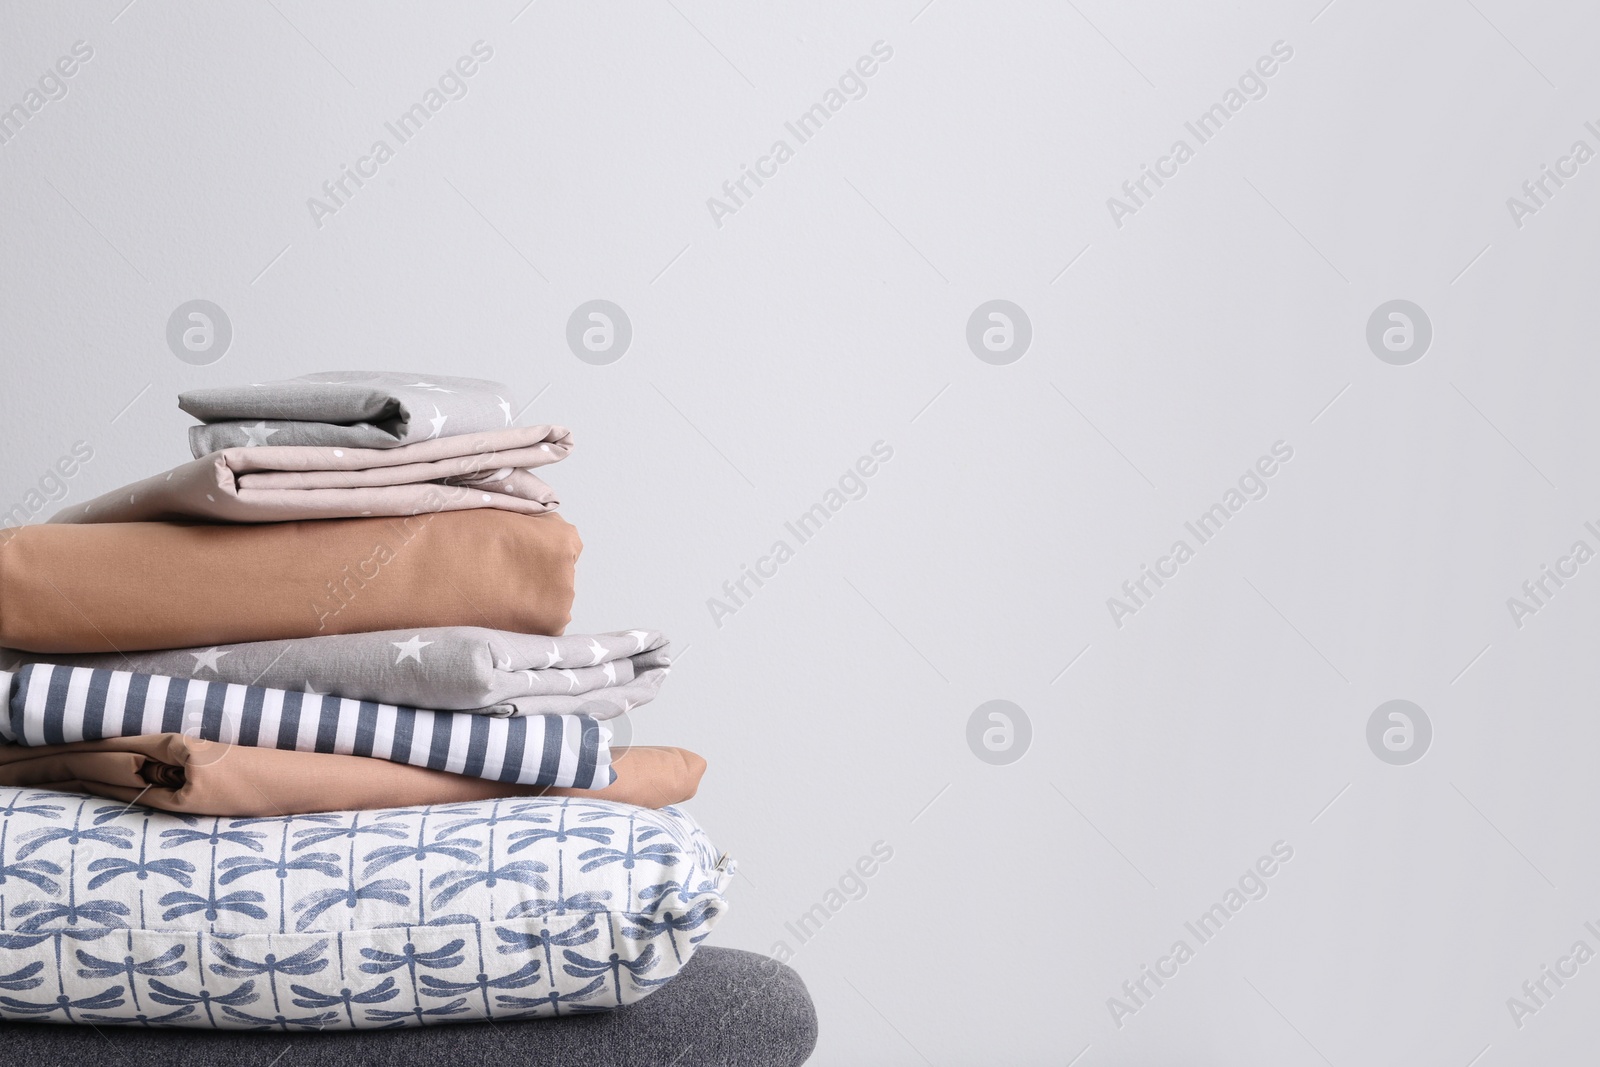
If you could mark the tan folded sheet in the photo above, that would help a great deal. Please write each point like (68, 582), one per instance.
(178, 773)
(111, 587)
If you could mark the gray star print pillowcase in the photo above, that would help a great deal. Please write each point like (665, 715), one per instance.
(361, 409)
(447, 668)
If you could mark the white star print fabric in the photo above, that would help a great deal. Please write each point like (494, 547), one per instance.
(284, 483)
(358, 409)
(450, 668)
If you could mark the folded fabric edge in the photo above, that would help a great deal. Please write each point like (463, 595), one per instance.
(187, 776)
(44, 705)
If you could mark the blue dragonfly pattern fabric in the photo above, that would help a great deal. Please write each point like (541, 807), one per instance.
(504, 909)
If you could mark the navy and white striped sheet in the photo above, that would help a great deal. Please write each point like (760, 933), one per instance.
(50, 705)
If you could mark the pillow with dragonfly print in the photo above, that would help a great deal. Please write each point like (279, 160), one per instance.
(405, 917)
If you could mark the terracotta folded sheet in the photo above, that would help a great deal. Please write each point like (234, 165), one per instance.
(282, 483)
(183, 774)
(111, 587)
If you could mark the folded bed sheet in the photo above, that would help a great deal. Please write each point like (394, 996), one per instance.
(191, 776)
(114, 587)
(447, 668)
(357, 409)
(281, 483)
(49, 705)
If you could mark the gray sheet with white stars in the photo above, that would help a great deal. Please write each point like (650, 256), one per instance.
(357, 409)
(448, 668)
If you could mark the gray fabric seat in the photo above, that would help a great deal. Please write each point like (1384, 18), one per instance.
(727, 1007)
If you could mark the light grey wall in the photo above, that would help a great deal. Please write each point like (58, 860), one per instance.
(775, 345)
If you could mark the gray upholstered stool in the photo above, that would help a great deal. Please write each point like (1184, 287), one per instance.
(726, 1007)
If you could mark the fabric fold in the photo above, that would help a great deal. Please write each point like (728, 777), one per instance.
(192, 776)
(109, 587)
(284, 483)
(49, 705)
(452, 668)
(357, 409)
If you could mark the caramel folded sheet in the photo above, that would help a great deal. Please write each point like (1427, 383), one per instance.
(111, 587)
(281, 483)
(183, 774)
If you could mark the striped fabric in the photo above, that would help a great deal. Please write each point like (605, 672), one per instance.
(50, 705)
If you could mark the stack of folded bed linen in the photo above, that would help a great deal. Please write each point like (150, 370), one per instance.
(294, 737)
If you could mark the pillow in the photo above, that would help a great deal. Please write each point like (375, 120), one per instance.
(495, 909)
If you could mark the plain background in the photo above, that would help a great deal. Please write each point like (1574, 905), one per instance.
(829, 313)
